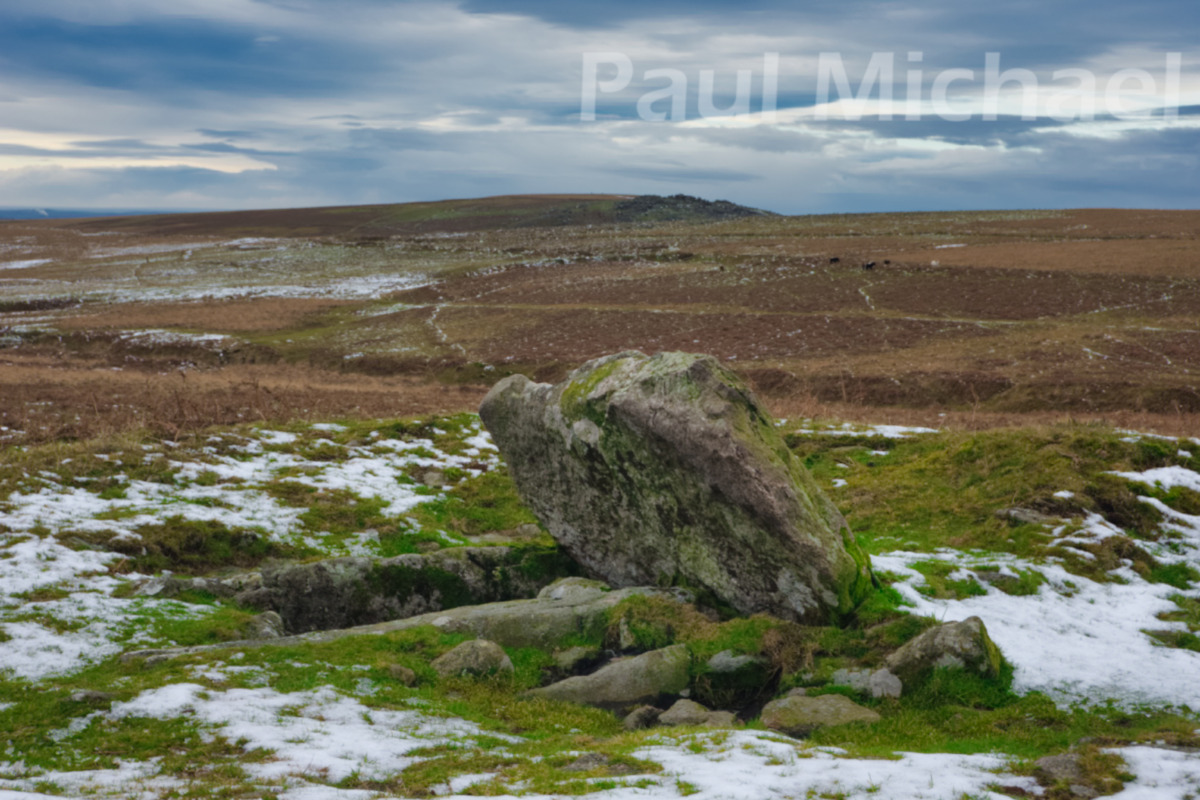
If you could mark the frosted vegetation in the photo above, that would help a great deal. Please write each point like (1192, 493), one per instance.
(1080, 551)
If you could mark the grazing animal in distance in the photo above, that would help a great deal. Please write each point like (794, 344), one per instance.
(835, 260)
(869, 265)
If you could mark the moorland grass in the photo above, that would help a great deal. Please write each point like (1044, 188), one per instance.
(927, 492)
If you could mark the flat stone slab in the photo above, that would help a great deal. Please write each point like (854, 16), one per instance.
(539, 622)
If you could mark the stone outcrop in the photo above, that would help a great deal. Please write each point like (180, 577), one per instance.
(665, 470)
(962, 645)
(627, 683)
(344, 592)
(563, 609)
(800, 715)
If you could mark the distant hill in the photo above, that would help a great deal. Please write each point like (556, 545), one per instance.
(446, 216)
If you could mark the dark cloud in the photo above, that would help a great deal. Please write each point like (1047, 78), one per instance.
(375, 100)
(161, 56)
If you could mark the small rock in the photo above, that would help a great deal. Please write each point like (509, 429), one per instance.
(725, 661)
(642, 717)
(854, 678)
(1064, 769)
(587, 762)
(721, 719)
(964, 645)
(267, 625)
(150, 662)
(402, 674)
(883, 683)
(573, 590)
(626, 683)
(684, 712)
(477, 657)
(800, 716)
(799, 691)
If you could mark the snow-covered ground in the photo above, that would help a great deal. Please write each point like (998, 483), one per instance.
(225, 487)
(1075, 639)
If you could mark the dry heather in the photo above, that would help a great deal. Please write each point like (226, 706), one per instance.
(971, 319)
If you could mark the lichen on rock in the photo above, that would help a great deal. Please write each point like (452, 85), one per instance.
(665, 470)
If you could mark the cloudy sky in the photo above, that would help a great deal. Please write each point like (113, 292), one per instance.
(821, 106)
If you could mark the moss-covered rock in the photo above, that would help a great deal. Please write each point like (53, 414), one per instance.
(797, 715)
(954, 645)
(627, 683)
(475, 658)
(666, 470)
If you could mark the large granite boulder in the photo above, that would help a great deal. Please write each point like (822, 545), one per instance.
(665, 470)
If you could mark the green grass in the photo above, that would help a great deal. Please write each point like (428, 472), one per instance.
(935, 491)
(196, 547)
(477, 505)
(952, 489)
(940, 585)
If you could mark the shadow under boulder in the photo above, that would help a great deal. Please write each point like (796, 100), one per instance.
(345, 592)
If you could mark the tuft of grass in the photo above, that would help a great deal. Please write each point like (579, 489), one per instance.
(1188, 612)
(1113, 499)
(1181, 575)
(1182, 640)
(477, 505)
(939, 584)
(195, 547)
(45, 594)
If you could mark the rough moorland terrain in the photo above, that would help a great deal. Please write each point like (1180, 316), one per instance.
(223, 434)
(984, 317)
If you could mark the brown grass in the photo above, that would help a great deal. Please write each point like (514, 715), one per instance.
(209, 316)
(1132, 257)
(49, 403)
(1044, 316)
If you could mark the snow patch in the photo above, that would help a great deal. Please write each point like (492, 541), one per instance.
(1046, 634)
